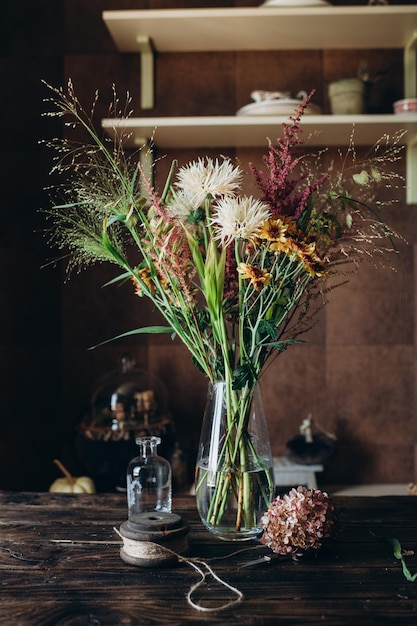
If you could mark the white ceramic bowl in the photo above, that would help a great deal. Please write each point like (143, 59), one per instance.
(408, 105)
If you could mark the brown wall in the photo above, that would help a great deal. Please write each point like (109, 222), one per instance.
(356, 374)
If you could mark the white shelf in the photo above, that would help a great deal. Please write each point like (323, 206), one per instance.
(262, 28)
(247, 131)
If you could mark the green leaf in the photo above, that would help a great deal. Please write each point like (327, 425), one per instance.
(214, 277)
(397, 547)
(362, 178)
(213, 287)
(109, 246)
(243, 375)
(196, 254)
(376, 175)
(282, 345)
(133, 180)
(117, 279)
(112, 219)
(268, 327)
(399, 555)
(168, 182)
(138, 331)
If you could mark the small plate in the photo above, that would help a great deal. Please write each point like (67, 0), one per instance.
(277, 107)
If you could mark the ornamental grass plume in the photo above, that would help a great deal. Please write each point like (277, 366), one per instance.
(235, 278)
(298, 521)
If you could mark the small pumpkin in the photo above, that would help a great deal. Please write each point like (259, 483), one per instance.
(71, 484)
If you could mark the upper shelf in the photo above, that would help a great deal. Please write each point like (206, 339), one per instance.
(252, 131)
(262, 28)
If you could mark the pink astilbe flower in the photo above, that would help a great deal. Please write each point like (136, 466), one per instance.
(167, 235)
(231, 283)
(298, 521)
(281, 186)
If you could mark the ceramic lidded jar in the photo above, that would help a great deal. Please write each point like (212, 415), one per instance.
(347, 96)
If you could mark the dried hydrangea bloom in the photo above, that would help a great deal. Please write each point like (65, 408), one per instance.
(298, 521)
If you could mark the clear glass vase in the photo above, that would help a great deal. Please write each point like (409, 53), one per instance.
(234, 475)
(149, 480)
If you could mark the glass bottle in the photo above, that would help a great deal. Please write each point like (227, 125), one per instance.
(149, 480)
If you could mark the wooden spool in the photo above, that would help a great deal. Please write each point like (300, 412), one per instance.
(154, 539)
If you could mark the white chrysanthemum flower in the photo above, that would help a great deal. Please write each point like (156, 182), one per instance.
(238, 218)
(180, 206)
(205, 177)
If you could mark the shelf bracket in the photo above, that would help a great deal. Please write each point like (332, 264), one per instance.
(411, 169)
(410, 67)
(410, 91)
(146, 72)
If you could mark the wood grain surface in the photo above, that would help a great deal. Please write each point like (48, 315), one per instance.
(60, 565)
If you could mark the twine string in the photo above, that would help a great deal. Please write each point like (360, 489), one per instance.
(150, 550)
(203, 579)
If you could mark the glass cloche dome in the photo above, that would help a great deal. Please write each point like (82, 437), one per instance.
(126, 404)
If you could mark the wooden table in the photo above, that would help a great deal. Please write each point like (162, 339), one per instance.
(60, 565)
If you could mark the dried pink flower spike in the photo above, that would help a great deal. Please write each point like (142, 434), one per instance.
(298, 521)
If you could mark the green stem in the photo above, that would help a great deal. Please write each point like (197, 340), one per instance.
(233, 476)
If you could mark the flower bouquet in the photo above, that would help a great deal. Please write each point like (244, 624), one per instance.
(236, 278)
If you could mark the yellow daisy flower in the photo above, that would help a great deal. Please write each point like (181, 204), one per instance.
(259, 277)
(274, 230)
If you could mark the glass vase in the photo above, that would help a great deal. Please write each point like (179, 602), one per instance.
(234, 474)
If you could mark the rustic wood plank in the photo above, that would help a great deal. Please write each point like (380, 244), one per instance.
(60, 564)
